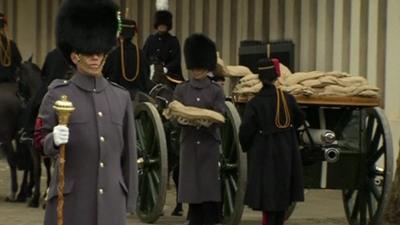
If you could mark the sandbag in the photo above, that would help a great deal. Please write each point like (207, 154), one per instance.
(192, 116)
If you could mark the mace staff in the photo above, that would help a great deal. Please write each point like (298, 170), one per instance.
(63, 108)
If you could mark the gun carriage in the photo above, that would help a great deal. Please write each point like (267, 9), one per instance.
(346, 144)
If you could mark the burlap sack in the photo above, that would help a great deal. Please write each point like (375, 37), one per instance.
(221, 69)
(352, 81)
(192, 116)
(300, 77)
(252, 89)
(238, 71)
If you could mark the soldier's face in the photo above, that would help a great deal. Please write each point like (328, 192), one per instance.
(198, 74)
(89, 64)
(162, 28)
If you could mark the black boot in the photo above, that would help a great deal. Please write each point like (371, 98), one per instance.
(178, 211)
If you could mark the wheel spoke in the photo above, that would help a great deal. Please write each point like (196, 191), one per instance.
(376, 155)
(233, 183)
(348, 194)
(354, 213)
(155, 176)
(370, 125)
(229, 198)
(139, 130)
(374, 190)
(375, 141)
(232, 152)
(153, 191)
(370, 206)
(144, 193)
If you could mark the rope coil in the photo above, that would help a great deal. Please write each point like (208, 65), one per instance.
(124, 75)
(5, 51)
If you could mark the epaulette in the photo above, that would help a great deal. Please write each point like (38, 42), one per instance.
(58, 83)
(117, 85)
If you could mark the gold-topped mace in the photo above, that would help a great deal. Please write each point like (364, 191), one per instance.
(63, 108)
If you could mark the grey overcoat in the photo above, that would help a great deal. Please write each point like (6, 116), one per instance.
(199, 173)
(101, 168)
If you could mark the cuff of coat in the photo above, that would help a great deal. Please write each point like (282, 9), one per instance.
(49, 148)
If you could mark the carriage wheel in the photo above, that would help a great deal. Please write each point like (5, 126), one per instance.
(232, 167)
(365, 204)
(152, 162)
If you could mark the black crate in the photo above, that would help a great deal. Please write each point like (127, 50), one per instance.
(250, 51)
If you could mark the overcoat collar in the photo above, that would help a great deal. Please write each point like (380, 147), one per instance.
(267, 90)
(203, 83)
(89, 83)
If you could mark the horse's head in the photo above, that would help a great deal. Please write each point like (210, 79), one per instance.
(29, 78)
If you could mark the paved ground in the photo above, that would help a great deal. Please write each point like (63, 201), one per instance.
(320, 208)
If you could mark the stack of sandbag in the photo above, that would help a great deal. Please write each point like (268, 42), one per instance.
(327, 84)
(249, 84)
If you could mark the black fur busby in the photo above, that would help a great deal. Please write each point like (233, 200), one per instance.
(128, 29)
(163, 17)
(268, 69)
(3, 20)
(86, 26)
(200, 52)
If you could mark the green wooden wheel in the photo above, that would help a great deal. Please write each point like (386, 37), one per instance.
(364, 205)
(152, 162)
(233, 168)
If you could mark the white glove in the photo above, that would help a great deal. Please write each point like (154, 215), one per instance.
(151, 71)
(165, 70)
(60, 135)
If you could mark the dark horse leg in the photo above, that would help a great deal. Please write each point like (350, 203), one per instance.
(47, 163)
(37, 172)
(26, 159)
(12, 162)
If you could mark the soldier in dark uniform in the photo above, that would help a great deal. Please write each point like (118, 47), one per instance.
(162, 48)
(199, 183)
(162, 53)
(125, 65)
(10, 57)
(268, 135)
(100, 168)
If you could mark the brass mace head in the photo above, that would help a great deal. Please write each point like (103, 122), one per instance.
(64, 108)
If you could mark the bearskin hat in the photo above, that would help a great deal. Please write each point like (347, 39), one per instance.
(200, 52)
(3, 20)
(128, 28)
(268, 69)
(163, 17)
(86, 27)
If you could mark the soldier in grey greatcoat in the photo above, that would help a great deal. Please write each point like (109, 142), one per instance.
(268, 135)
(100, 168)
(199, 183)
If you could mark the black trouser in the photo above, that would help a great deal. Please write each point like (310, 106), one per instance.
(273, 218)
(205, 213)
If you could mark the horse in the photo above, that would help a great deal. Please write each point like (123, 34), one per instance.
(13, 97)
